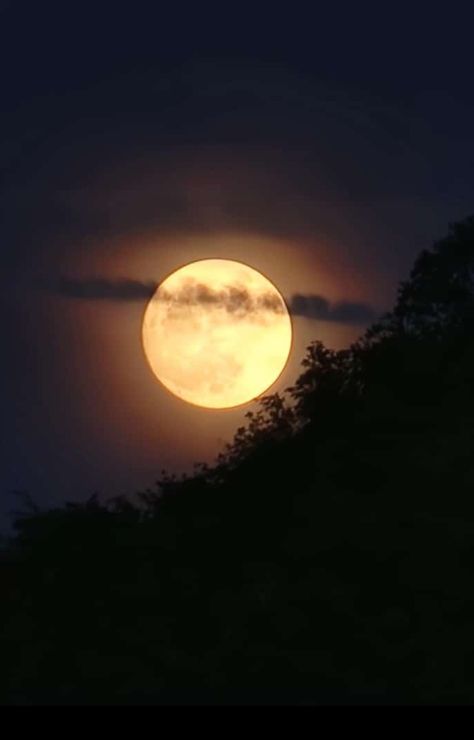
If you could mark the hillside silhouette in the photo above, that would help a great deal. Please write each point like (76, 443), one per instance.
(327, 557)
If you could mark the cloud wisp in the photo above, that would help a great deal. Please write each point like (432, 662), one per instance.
(235, 299)
(101, 289)
(319, 308)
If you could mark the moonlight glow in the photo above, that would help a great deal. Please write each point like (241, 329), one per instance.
(217, 333)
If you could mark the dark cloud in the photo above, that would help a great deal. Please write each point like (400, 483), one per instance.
(235, 299)
(122, 289)
(317, 307)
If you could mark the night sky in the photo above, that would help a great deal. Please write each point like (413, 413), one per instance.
(325, 150)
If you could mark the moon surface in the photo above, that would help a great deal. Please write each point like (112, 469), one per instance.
(217, 333)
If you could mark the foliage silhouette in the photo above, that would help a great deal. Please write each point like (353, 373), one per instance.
(326, 557)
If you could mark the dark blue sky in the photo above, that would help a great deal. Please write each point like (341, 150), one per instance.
(350, 124)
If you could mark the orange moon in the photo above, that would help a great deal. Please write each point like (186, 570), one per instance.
(217, 333)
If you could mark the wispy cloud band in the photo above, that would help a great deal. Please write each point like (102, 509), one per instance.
(123, 289)
(317, 307)
(233, 299)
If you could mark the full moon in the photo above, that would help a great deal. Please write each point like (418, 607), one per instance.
(217, 333)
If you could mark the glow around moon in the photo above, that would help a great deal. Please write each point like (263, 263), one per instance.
(217, 333)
